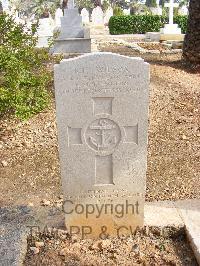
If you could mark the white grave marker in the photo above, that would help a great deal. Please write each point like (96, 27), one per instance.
(58, 15)
(45, 31)
(97, 16)
(85, 16)
(171, 28)
(108, 15)
(5, 5)
(102, 118)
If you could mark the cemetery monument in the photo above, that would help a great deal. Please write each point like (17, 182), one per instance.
(171, 31)
(171, 28)
(73, 37)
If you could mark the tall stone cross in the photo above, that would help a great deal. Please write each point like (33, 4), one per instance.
(171, 5)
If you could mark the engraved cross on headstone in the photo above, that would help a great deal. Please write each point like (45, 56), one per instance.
(103, 135)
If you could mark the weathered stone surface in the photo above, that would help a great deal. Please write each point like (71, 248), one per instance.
(16, 223)
(13, 233)
(102, 116)
(71, 25)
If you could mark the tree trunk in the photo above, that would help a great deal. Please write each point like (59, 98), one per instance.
(64, 4)
(191, 47)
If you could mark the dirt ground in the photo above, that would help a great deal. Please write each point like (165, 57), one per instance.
(147, 247)
(29, 157)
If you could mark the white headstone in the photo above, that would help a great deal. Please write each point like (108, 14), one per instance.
(97, 16)
(108, 15)
(5, 5)
(102, 118)
(45, 31)
(58, 15)
(85, 16)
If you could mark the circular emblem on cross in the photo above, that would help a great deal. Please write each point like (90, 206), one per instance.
(103, 135)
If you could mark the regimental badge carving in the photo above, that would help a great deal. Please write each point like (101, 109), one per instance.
(103, 135)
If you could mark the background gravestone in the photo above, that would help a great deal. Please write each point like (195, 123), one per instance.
(85, 16)
(102, 117)
(97, 16)
(58, 16)
(45, 32)
(108, 15)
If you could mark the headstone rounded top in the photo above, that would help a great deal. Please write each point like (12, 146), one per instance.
(101, 56)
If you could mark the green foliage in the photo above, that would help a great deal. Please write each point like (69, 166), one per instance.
(117, 11)
(23, 75)
(88, 4)
(105, 5)
(37, 7)
(182, 22)
(140, 24)
(134, 24)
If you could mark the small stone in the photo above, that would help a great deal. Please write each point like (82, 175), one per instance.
(64, 251)
(39, 244)
(45, 202)
(4, 163)
(76, 246)
(106, 243)
(34, 250)
(184, 137)
(96, 245)
(101, 244)
(198, 135)
(135, 248)
(30, 204)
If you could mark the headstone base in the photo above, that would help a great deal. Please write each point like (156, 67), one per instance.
(94, 224)
(172, 37)
(72, 45)
(170, 29)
